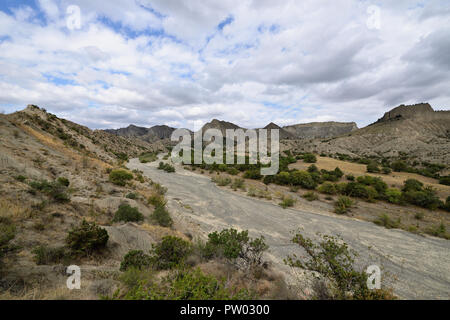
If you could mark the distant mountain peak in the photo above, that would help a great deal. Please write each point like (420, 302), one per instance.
(272, 126)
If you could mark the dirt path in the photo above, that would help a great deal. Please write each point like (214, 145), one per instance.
(420, 265)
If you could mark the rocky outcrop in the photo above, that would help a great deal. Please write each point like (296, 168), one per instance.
(152, 134)
(407, 112)
(321, 129)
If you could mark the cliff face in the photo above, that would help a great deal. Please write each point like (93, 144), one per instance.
(321, 129)
(417, 131)
(407, 112)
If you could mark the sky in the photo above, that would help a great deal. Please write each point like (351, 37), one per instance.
(108, 64)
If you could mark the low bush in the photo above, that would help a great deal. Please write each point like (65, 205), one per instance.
(55, 190)
(412, 185)
(439, 231)
(386, 170)
(311, 196)
(393, 195)
(166, 167)
(343, 204)
(135, 259)
(445, 180)
(162, 217)
(20, 178)
(131, 195)
(425, 198)
(287, 201)
(120, 177)
(186, 284)
(373, 167)
(335, 276)
(7, 233)
(148, 157)
(419, 215)
(170, 252)
(157, 200)
(309, 158)
(63, 181)
(253, 174)
(221, 181)
(44, 255)
(127, 213)
(238, 184)
(328, 188)
(237, 247)
(87, 238)
(386, 221)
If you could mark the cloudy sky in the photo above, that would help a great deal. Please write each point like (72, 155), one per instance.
(250, 62)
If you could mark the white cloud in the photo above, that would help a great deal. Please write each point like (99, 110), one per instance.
(168, 62)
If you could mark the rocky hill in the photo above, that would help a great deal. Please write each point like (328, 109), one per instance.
(320, 129)
(151, 135)
(416, 132)
(53, 175)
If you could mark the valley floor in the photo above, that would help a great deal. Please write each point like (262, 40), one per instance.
(417, 267)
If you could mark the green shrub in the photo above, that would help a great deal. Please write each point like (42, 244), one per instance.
(220, 181)
(253, 174)
(162, 217)
(399, 166)
(439, 231)
(328, 188)
(309, 158)
(187, 284)
(238, 184)
(63, 181)
(376, 182)
(55, 190)
(127, 213)
(412, 185)
(350, 177)
(157, 200)
(311, 196)
(419, 215)
(302, 179)
(148, 157)
(386, 221)
(87, 238)
(343, 205)
(386, 170)
(357, 190)
(7, 233)
(170, 252)
(445, 180)
(120, 177)
(237, 247)
(313, 168)
(425, 198)
(166, 167)
(131, 195)
(337, 277)
(232, 171)
(135, 259)
(287, 202)
(373, 167)
(44, 255)
(20, 178)
(393, 195)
